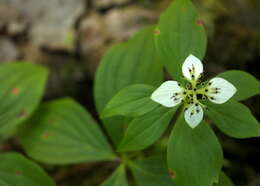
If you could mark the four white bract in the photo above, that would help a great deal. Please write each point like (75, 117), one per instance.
(171, 93)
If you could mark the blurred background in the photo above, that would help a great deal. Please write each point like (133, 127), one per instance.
(70, 37)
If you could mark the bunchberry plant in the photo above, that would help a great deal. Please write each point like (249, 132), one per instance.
(134, 112)
(171, 93)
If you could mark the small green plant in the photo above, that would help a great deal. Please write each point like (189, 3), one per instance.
(137, 115)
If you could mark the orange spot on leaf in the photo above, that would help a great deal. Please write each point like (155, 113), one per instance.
(45, 135)
(15, 91)
(199, 22)
(22, 114)
(18, 172)
(172, 173)
(157, 32)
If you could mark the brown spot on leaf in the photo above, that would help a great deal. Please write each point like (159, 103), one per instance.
(15, 91)
(172, 173)
(22, 114)
(45, 135)
(199, 22)
(53, 121)
(157, 32)
(18, 172)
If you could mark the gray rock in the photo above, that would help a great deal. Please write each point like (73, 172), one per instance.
(92, 32)
(52, 21)
(98, 32)
(8, 51)
(107, 3)
(124, 22)
(10, 18)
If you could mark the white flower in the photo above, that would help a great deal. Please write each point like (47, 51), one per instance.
(171, 93)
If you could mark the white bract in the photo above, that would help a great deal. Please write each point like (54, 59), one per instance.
(171, 93)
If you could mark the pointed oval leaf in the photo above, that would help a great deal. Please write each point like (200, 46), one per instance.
(62, 132)
(179, 34)
(152, 171)
(246, 84)
(15, 170)
(118, 178)
(131, 101)
(143, 131)
(130, 63)
(21, 89)
(194, 155)
(234, 119)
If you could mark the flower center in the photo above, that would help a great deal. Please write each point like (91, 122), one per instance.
(195, 92)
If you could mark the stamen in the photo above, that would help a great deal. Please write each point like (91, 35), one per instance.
(199, 96)
(193, 68)
(198, 82)
(204, 98)
(197, 110)
(188, 86)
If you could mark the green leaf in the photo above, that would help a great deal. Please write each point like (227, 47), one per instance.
(62, 132)
(224, 180)
(246, 84)
(151, 172)
(21, 89)
(118, 178)
(234, 119)
(130, 63)
(179, 34)
(194, 155)
(131, 101)
(143, 131)
(15, 170)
